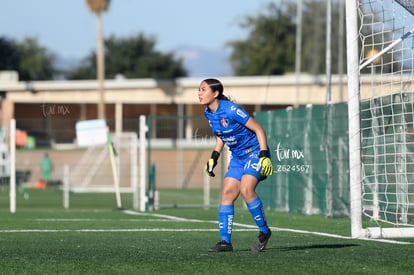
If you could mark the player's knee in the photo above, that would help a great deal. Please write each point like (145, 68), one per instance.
(229, 195)
(247, 193)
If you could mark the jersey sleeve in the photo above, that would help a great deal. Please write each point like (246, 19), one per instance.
(238, 114)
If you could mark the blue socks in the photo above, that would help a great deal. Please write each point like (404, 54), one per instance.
(226, 216)
(225, 219)
(256, 210)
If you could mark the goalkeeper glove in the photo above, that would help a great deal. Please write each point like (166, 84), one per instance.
(265, 164)
(212, 162)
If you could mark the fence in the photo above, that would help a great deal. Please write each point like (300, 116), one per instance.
(310, 157)
(309, 153)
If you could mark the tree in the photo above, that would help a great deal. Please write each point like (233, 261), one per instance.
(9, 57)
(98, 7)
(314, 36)
(133, 57)
(270, 46)
(28, 58)
(35, 61)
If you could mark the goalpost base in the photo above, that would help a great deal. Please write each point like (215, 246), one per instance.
(386, 233)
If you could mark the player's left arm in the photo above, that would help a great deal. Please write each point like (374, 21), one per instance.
(254, 126)
(266, 167)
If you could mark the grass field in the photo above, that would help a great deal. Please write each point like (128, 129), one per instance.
(93, 238)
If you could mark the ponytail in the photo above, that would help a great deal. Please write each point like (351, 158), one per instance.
(216, 85)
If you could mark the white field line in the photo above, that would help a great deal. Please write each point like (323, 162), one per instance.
(169, 218)
(105, 230)
(272, 228)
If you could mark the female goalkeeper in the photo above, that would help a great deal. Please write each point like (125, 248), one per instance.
(250, 161)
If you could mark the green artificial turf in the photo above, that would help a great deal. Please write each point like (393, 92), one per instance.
(92, 237)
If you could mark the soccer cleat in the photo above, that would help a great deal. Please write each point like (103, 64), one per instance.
(221, 246)
(261, 241)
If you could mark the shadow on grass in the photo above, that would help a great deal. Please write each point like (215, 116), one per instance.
(314, 246)
(302, 247)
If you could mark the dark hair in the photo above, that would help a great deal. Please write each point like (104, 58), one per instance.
(216, 85)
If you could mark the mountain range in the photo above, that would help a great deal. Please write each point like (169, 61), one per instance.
(203, 62)
(198, 61)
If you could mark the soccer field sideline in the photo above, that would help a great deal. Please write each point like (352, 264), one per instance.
(245, 227)
(174, 241)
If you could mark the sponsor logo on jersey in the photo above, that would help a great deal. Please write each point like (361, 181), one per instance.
(241, 113)
(224, 122)
(231, 140)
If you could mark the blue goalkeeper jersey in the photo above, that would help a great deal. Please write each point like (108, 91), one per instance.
(228, 123)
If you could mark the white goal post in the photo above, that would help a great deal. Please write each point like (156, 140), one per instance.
(380, 59)
(110, 167)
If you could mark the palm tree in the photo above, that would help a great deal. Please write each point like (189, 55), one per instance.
(98, 7)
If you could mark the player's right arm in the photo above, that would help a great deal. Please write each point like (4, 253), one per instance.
(219, 145)
(212, 161)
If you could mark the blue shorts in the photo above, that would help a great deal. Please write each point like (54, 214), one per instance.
(244, 165)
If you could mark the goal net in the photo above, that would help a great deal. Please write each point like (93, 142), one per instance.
(103, 168)
(381, 98)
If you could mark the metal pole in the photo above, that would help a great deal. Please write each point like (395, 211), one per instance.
(341, 50)
(142, 164)
(134, 171)
(180, 157)
(100, 67)
(66, 186)
(328, 51)
(298, 53)
(12, 165)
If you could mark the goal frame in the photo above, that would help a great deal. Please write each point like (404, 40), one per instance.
(355, 165)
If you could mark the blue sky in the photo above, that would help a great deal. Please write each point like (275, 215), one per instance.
(68, 28)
